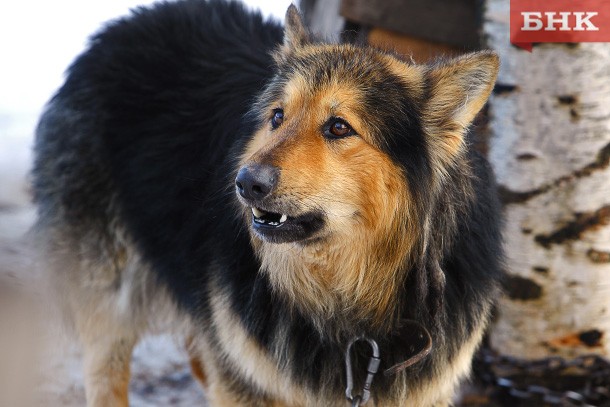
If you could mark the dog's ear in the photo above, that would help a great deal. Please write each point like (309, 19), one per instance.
(458, 90)
(296, 33)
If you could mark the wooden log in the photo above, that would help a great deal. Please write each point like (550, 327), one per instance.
(451, 22)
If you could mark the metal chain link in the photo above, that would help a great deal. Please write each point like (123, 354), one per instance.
(553, 381)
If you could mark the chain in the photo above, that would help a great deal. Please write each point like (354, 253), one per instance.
(553, 381)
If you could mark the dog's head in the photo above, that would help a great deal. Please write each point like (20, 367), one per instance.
(351, 143)
(349, 136)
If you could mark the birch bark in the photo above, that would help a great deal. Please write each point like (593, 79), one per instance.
(550, 148)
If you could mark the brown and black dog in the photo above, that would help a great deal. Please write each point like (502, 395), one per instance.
(273, 198)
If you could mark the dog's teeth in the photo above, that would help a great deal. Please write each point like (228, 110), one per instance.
(257, 212)
(283, 218)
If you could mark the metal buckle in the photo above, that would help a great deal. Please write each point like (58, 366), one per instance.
(359, 400)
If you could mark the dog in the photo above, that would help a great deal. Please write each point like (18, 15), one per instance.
(275, 199)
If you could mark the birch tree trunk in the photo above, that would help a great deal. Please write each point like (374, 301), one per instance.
(550, 148)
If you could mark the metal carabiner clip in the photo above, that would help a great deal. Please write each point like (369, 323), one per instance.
(359, 400)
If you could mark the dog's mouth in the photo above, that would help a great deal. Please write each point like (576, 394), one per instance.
(277, 227)
(268, 219)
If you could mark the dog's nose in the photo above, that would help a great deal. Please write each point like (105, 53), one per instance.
(255, 181)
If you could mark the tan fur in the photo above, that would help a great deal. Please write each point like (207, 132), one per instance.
(363, 193)
(107, 371)
(195, 362)
(247, 358)
(412, 75)
(355, 184)
(236, 344)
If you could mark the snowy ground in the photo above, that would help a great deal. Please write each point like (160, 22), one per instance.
(160, 377)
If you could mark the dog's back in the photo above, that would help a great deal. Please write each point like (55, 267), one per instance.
(150, 110)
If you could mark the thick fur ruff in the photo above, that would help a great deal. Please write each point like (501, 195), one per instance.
(390, 216)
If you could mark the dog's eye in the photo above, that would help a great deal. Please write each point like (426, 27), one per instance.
(277, 119)
(338, 128)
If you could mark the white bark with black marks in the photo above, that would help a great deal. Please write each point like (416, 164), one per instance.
(550, 148)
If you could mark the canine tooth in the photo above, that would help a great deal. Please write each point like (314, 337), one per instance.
(283, 218)
(257, 212)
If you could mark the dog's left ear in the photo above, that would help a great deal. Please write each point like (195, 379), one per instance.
(458, 90)
(296, 33)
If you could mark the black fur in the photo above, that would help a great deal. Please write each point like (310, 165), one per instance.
(149, 123)
(165, 90)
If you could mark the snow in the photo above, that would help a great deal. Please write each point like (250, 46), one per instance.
(160, 377)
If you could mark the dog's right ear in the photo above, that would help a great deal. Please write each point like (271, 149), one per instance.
(296, 34)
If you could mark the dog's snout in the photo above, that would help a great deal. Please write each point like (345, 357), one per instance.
(254, 182)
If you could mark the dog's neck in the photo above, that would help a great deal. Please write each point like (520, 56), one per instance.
(352, 281)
